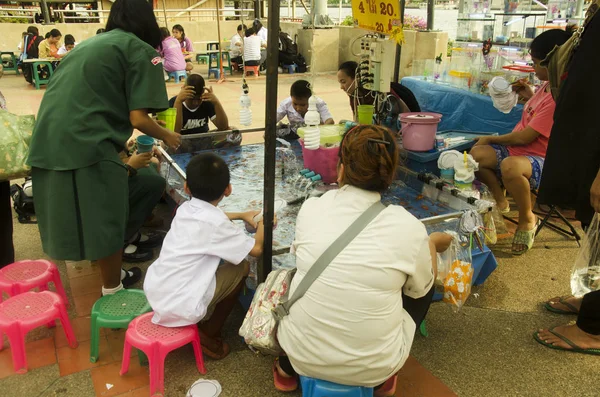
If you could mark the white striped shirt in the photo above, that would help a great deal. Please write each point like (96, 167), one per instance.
(252, 46)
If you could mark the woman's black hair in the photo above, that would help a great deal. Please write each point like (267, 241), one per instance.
(545, 42)
(33, 30)
(55, 33)
(349, 68)
(69, 40)
(47, 35)
(137, 17)
(257, 25)
(250, 32)
(180, 28)
(164, 33)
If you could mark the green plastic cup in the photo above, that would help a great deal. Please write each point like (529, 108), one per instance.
(145, 143)
(365, 114)
(168, 116)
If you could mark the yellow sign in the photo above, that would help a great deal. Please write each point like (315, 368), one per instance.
(376, 15)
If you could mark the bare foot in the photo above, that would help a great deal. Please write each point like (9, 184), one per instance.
(562, 302)
(573, 333)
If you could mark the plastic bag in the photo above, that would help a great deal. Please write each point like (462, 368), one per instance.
(14, 145)
(457, 282)
(585, 276)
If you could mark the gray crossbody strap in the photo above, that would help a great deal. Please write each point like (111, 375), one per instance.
(329, 255)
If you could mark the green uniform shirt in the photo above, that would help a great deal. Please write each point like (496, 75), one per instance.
(84, 115)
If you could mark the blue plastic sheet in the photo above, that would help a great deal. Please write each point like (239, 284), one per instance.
(462, 110)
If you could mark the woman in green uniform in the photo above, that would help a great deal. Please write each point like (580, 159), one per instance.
(105, 87)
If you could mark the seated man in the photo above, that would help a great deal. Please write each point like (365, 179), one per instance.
(253, 49)
(295, 107)
(236, 46)
(201, 269)
(515, 160)
(196, 105)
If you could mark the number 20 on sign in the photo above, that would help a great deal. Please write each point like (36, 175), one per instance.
(380, 16)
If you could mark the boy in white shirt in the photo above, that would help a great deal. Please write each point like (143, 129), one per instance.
(237, 44)
(201, 268)
(295, 107)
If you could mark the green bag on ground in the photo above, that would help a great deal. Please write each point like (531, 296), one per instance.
(14, 145)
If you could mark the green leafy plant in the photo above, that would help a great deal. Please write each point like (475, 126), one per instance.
(348, 21)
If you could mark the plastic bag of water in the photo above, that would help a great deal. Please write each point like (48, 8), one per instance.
(585, 276)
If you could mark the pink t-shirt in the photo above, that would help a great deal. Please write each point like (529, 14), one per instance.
(538, 113)
(173, 59)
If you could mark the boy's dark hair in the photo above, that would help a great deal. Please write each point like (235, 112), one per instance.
(164, 33)
(257, 25)
(101, 30)
(249, 32)
(55, 33)
(180, 28)
(196, 81)
(137, 17)
(300, 89)
(207, 176)
(33, 30)
(69, 40)
(349, 68)
(241, 27)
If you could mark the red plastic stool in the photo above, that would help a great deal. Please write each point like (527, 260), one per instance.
(24, 312)
(157, 341)
(254, 69)
(23, 276)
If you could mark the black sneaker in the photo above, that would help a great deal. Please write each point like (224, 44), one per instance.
(154, 239)
(139, 255)
(132, 276)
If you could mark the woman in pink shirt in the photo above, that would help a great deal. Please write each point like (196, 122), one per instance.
(515, 160)
(170, 51)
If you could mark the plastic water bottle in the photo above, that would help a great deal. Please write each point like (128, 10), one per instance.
(245, 111)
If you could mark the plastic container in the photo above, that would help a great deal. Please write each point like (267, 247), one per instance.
(365, 114)
(168, 116)
(447, 174)
(330, 134)
(245, 111)
(322, 161)
(419, 130)
(145, 143)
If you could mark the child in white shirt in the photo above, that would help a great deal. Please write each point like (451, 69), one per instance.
(295, 107)
(201, 269)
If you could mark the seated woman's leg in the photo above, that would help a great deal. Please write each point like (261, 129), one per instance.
(145, 190)
(516, 171)
(488, 158)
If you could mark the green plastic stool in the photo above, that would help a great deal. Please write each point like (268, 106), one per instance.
(202, 58)
(13, 61)
(38, 81)
(215, 63)
(116, 311)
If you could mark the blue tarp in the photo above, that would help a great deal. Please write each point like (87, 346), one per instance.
(462, 110)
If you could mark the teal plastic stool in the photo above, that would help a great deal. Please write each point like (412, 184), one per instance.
(37, 79)
(312, 387)
(291, 69)
(214, 64)
(116, 311)
(202, 58)
(177, 75)
(10, 64)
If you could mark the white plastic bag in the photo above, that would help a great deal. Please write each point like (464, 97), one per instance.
(585, 276)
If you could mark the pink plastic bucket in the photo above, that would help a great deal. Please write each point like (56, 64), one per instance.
(322, 161)
(418, 130)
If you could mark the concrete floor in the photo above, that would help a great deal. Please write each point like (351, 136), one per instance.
(484, 350)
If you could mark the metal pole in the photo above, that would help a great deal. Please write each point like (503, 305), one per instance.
(220, 61)
(399, 47)
(270, 135)
(430, 13)
(45, 12)
(340, 13)
(579, 10)
(293, 8)
(165, 14)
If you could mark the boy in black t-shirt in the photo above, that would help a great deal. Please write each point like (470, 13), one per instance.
(197, 105)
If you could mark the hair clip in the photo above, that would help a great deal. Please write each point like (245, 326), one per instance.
(378, 141)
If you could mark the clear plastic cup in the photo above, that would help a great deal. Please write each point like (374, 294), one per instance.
(168, 116)
(365, 114)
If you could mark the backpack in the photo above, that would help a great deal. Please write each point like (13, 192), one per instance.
(301, 63)
(22, 197)
(287, 44)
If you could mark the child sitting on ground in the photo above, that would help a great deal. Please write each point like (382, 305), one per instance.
(67, 46)
(295, 108)
(196, 105)
(201, 268)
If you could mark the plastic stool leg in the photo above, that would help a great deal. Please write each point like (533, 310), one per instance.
(42, 288)
(157, 373)
(66, 323)
(126, 355)
(17, 347)
(142, 358)
(95, 339)
(198, 354)
(59, 286)
(423, 329)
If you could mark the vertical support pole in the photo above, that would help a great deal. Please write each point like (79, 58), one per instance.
(430, 13)
(399, 47)
(340, 13)
(165, 14)
(45, 12)
(270, 135)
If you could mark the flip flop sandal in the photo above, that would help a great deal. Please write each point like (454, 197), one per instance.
(504, 210)
(563, 301)
(524, 237)
(282, 383)
(225, 349)
(388, 389)
(574, 348)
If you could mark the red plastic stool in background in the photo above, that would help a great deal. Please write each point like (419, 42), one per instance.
(23, 276)
(24, 312)
(254, 69)
(157, 341)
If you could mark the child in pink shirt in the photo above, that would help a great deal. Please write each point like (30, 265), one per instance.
(515, 160)
(170, 51)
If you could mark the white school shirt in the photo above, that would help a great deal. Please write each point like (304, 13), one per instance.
(235, 50)
(252, 46)
(263, 34)
(287, 109)
(350, 326)
(63, 49)
(181, 283)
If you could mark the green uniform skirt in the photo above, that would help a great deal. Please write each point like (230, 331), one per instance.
(82, 213)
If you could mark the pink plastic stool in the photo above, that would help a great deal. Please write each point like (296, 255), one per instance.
(23, 276)
(157, 341)
(24, 312)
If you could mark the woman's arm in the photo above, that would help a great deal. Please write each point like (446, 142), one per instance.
(515, 138)
(140, 120)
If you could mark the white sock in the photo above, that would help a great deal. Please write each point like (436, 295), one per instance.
(110, 291)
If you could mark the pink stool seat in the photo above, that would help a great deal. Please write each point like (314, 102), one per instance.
(23, 276)
(157, 341)
(24, 312)
(253, 69)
